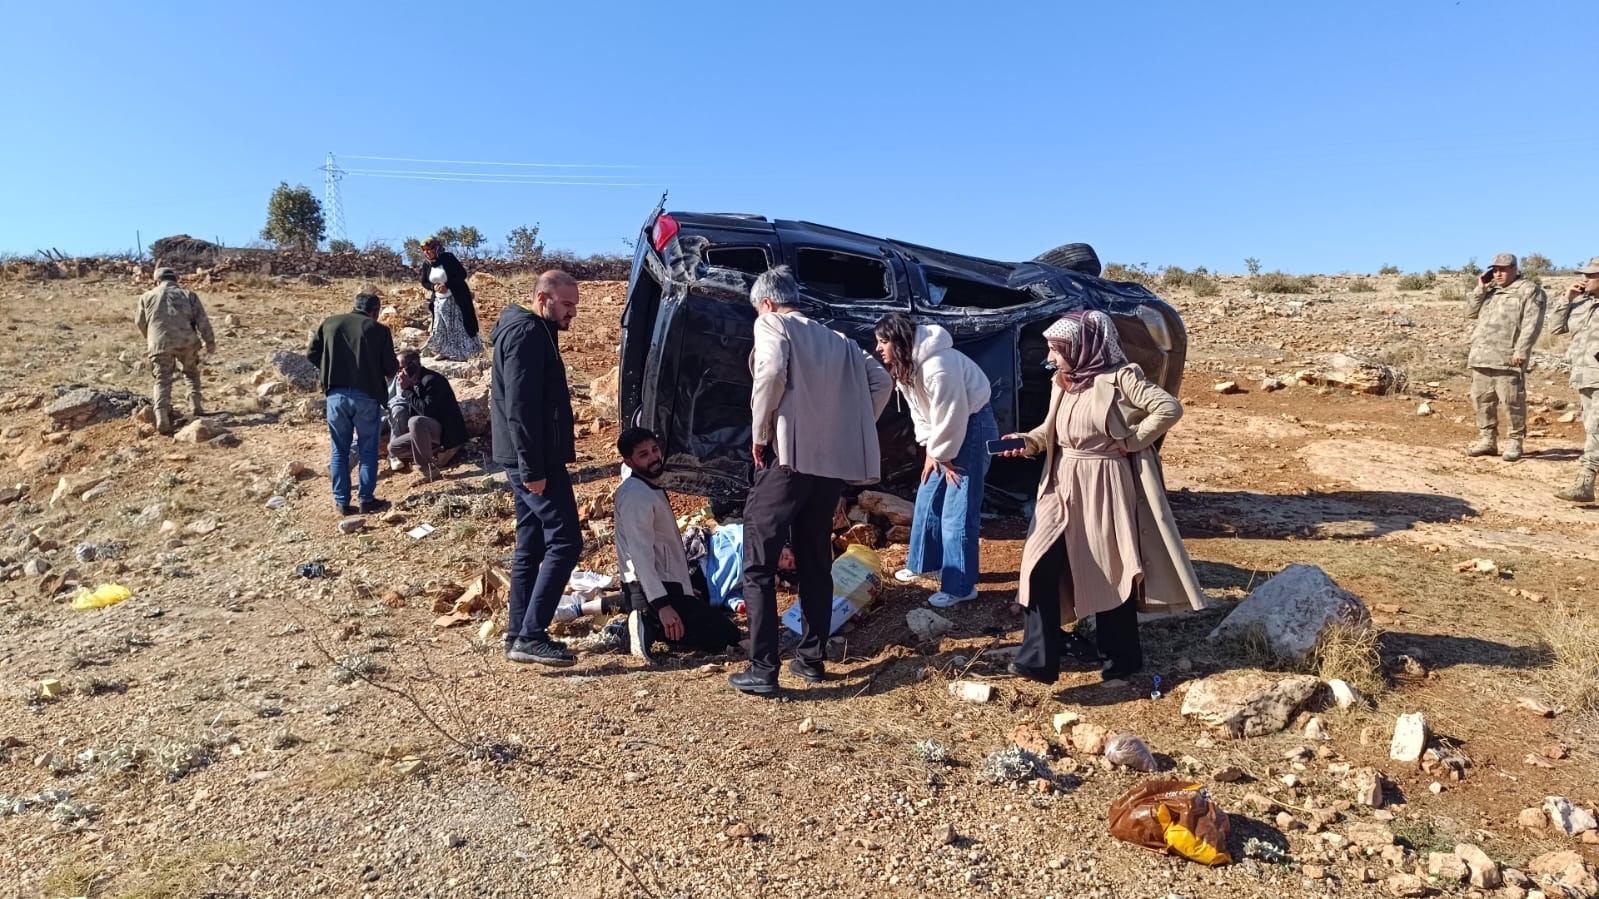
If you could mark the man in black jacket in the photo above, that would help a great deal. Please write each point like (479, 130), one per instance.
(355, 358)
(532, 435)
(455, 279)
(425, 421)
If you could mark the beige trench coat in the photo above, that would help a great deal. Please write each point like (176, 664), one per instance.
(1122, 399)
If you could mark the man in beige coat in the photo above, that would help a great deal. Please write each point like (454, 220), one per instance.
(1509, 313)
(815, 400)
(174, 325)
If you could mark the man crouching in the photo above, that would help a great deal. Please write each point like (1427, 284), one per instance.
(656, 581)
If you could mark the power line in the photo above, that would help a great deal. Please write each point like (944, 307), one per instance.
(479, 174)
(508, 179)
(535, 165)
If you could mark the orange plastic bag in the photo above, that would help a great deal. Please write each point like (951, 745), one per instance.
(1172, 816)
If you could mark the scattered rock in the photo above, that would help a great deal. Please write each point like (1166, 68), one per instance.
(352, 524)
(50, 688)
(1064, 721)
(1424, 409)
(1228, 387)
(863, 534)
(971, 691)
(1406, 885)
(1484, 870)
(944, 834)
(886, 506)
(1342, 693)
(35, 567)
(1029, 739)
(1357, 373)
(1369, 787)
(1410, 738)
(1315, 729)
(1567, 872)
(1447, 867)
(1228, 774)
(927, 624)
(1370, 836)
(1566, 817)
(740, 831)
(807, 726)
(1292, 610)
(294, 368)
(84, 406)
(1538, 707)
(196, 431)
(1533, 819)
(1090, 739)
(271, 388)
(1249, 704)
(1477, 566)
(603, 392)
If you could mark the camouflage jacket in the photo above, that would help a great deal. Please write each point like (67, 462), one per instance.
(1584, 343)
(172, 319)
(1508, 322)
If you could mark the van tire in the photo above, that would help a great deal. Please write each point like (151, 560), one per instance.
(1076, 257)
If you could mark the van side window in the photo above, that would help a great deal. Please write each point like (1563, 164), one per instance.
(950, 292)
(844, 275)
(751, 260)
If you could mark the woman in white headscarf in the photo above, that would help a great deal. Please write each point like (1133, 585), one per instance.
(450, 338)
(1102, 541)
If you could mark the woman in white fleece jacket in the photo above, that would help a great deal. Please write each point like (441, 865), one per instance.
(948, 398)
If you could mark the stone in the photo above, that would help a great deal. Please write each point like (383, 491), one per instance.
(95, 492)
(603, 392)
(196, 431)
(271, 388)
(35, 567)
(1314, 872)
(1370, 836)
(944, 834)
(1369, 787)
(1228, 774)
(1405, 885)
(1259, 803)
(899, 533)
(1342, 693)
(1410, 738)
(1567, 873)
(1446, 866)
(408, 766)
(1317, 730)
(1484, 870)
(9, 495)
(740, 831)
(352, 524)
(1227, 387)
(808, 725)
(1272, 385)
(1292, 610)
(1249, 704)
(293, 368)
(890, 508)
(1533, 819)
(1568, 818)
(971, 691)
(1424, 409)
(1286, 821)
(1064, 721)
(1027, 738)
(1090, 739)
(84, 406)
(927, 624)
(475, 399)
(1351, 372)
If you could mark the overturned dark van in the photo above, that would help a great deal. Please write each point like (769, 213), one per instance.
(687, 331)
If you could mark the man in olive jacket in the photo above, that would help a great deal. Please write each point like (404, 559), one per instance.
(531, 422)
(174, 325)
(354, 356)
(1509, 313)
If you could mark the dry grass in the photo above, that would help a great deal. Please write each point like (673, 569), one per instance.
(74, 875)
(1361, 285)
(184, 873)
(1351, 653)
(1572, 638)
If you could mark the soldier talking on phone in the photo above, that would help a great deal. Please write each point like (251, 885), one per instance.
(1509, 312)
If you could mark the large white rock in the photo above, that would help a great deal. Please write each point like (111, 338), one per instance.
(1567, 817)
(1249, 704)
(1484, 870)
(1410, 738)
(1292, 610)
(927, 624)
(475, 398)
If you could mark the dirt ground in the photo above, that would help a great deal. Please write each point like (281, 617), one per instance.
(207, 743)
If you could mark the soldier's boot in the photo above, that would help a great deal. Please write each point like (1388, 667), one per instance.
(1486, 446)
(195, 404)
(1581, 490)
(1512, 450)
(163, 421)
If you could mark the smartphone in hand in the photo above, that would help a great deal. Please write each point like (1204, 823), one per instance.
(1005, 445)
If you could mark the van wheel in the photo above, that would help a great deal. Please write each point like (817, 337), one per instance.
(1076, 257)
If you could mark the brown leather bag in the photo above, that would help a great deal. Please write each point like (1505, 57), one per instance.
(1175, 817)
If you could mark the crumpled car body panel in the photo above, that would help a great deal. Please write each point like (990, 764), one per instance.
(687, 334)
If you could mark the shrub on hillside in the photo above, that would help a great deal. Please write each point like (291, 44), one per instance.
(1361, 285)
(1282, 282)
(1418, 281)
(1388, 270)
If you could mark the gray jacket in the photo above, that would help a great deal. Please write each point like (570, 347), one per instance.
(817, 396)
(1508, 322)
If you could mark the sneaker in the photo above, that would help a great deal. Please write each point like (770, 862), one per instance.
(809, 672)
(398, 465)
(542, 652)
(906, 576)
(613, 636)
(374, 506)
(638, 636)
(348, 509)
(747, 681)
(942, 600)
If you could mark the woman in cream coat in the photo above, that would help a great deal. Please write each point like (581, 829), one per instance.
(1102, 541)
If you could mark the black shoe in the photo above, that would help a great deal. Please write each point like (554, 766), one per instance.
(1037, 675)
(375, 506)
(347, 510)
(1120, 670)
(749, 682)
(541, 652)
(811, 673)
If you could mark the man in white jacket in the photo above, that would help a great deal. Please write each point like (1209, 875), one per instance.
(656, 580)
(816, 396)
(948, 397)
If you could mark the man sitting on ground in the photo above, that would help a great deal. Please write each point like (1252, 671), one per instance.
(655, 571)
(425, 421)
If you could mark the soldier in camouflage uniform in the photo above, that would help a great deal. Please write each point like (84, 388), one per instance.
(1509, 312)
(174, 326)
(1576, 312)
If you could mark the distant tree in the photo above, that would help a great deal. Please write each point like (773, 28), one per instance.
(523, 245)
(469, 238)
(294, 218)
(413, 252)
(448, 236)
(1388, 269)
(1536, 266)
(340, 245)
(1471, 267)
(1253, 265)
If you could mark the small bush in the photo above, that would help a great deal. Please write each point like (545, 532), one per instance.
(1282, 282)
(1573, 642)
(1452, 294)
(1012, 764)
(1198, 280)
(1471, 268)
(340, 245)
(1361, 285)
(1418, 281)
(1389, 269)
(1536, 266)
(1350, 653)
(1137, 273)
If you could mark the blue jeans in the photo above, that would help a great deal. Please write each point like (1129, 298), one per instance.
(549, 541)
(353, 412)
(946, 523)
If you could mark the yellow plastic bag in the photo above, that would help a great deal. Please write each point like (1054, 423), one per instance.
(100, 597)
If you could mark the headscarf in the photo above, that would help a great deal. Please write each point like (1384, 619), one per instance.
(1088, 341)
(434, 244)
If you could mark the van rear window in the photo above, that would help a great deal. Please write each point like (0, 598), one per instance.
(843, 275)
(745, 259)
(948, 292)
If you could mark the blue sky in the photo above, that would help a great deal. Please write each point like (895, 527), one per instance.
(1315, 137)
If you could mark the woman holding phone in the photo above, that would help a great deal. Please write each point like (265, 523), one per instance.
(948, 398)
(1102, 540)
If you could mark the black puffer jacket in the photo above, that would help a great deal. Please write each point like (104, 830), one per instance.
(455, 273)
(531, 412)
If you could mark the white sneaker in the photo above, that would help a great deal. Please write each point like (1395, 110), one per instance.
(942, 600)
(906, 576)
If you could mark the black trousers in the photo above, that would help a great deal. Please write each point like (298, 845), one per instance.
(549, 541)
(704, 629)
(785, 506)
(1115, 631)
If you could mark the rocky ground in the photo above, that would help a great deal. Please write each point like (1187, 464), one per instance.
(236, 729)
